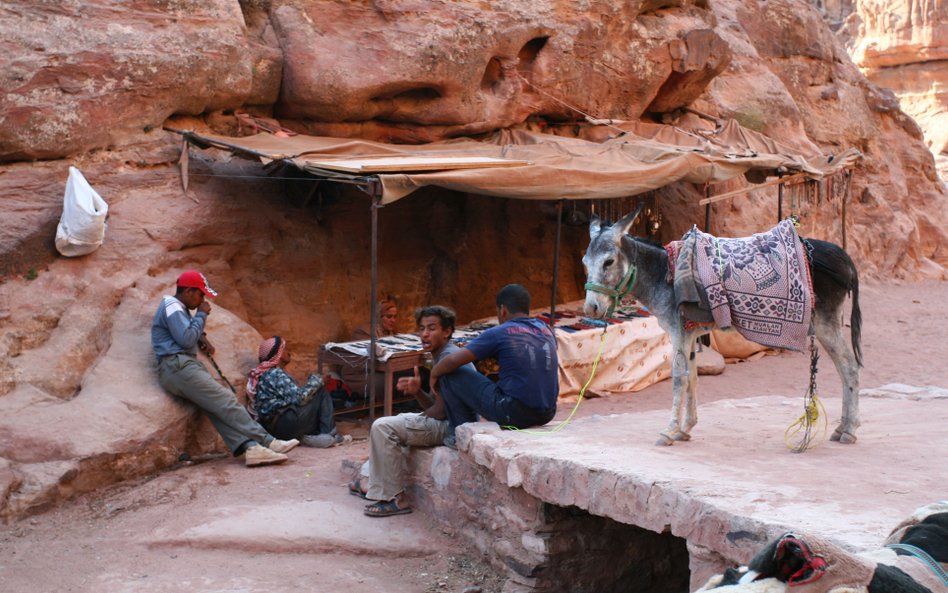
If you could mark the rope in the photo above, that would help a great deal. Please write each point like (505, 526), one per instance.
(582, 392)
(588, 117)
(924, 557)
(812, 410)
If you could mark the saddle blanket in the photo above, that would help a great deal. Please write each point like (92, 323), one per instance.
(759, 285)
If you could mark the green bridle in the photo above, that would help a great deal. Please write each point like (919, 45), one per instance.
(615, 293)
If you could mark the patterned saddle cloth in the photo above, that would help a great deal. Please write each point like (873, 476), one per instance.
(759, 285)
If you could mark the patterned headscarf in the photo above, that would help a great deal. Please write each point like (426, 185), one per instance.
(269, 353)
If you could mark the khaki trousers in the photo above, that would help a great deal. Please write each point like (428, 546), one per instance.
(388, 438)
(185, 377)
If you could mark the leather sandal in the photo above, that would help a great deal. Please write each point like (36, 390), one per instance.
(355, 488)
(386, 508)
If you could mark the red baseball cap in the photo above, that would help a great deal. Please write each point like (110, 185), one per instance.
(195, 279)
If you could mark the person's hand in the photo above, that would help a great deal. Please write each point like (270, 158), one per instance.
(206, 345)
(433, 386)
(409, 385)
(204, 307)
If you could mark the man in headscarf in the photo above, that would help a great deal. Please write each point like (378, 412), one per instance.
(283, 407)
(175, 337)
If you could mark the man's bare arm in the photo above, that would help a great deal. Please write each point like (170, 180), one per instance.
(448, 365)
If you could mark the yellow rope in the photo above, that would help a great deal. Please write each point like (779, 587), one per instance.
(812, 413)
(582, 392)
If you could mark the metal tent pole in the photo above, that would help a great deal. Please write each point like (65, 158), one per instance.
(373, 328)
(556, 261)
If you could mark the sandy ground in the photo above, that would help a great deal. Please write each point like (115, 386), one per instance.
(216, 526)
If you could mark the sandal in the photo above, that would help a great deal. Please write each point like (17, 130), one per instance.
(355, 488)
(386, 508)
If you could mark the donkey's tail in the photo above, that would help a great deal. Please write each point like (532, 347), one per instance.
(855, 319)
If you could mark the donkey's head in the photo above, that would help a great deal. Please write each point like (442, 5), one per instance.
(609, 271)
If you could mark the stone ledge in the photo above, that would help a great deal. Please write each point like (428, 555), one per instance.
(733, 487)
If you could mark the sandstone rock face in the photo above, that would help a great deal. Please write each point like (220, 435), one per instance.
(89, 83)
(903, 46)
(80, 75)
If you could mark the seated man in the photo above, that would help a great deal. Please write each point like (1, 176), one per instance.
(284, 408)
(390, 434)
(525, 395)
(175, 336)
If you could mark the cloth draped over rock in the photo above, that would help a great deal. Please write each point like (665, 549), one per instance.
(759, 285)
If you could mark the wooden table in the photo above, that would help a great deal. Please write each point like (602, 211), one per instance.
(399, 361)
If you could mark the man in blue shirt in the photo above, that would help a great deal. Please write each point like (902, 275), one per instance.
(175, 337)
(525, 348)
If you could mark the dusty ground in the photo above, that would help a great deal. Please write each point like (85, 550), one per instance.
(216, 526)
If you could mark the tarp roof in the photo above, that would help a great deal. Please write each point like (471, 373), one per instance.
(643, 158)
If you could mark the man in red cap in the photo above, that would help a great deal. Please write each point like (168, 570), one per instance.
(175, 336)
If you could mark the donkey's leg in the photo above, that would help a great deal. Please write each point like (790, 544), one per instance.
(691, 398)
(829, 333)
(679, 388)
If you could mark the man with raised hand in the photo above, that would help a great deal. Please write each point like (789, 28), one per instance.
(175, 337)
(389, 435)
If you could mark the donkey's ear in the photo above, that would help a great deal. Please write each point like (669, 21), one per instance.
(595, 226)
(625, 223)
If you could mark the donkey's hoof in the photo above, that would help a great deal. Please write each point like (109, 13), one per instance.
(664, 441)
(682, 436)
(844, 437)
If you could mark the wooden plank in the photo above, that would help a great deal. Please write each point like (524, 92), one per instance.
(413, 163)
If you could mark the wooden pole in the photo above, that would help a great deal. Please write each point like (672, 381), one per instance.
(779, 203)
(846, 195)
(556, 261)
(707, 209)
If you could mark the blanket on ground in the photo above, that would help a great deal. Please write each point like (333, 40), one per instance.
(759, 285)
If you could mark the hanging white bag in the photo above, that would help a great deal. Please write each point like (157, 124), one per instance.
(82, 226)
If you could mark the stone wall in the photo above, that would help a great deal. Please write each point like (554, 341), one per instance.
(543, 547)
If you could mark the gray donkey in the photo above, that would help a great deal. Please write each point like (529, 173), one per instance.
(618, 264)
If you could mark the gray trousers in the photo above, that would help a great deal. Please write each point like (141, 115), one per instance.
(388, 437)
(185, 377)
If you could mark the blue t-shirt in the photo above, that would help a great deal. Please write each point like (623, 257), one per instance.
(525, 348)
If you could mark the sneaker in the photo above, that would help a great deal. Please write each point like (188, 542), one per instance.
(283, 446)
(260, 455)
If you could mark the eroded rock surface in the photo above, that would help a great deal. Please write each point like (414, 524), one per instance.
(90, 84)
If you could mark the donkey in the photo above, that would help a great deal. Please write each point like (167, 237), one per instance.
(638, 268)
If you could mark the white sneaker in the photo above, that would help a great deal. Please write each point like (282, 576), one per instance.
(260, 455)
(283, 446)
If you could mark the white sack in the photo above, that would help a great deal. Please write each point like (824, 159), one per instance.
(82, 226)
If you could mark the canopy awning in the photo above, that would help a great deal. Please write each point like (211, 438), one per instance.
(530, 165)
